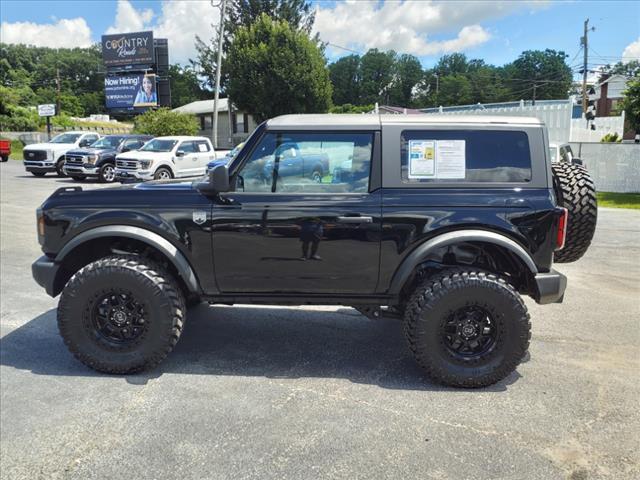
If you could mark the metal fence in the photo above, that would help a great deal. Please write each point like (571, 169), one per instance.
(615, 167)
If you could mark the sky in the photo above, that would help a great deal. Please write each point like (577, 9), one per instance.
(495, 31)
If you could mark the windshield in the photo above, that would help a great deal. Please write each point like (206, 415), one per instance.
(65, 138)
(107, 142)
(159, 145)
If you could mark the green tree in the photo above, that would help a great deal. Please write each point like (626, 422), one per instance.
(163, 122)
(275, 69)
(547, 70)
(299, 14)
(346, 79)
(455, 90)
(377, 75)
(185, 86)
(628, 69)
(348, 108)
(407, 74)
(630, 103)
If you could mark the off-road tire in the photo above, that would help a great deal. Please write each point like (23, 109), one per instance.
(158, 174)
(430, 307)
(148, 282)
(38, 174)
(59, 168)
(577, 193)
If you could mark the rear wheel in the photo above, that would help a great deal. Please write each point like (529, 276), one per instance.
(121, 314)
(108, 173)
(577, 193)
(316, 176)
(467, 328)
(162, 174)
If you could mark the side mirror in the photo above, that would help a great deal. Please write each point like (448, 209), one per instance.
(180, 153)
(217, 180)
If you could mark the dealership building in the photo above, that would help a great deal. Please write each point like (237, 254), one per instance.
(232, 128)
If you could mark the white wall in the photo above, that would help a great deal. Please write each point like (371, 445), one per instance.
(604, 125)
(614, 167)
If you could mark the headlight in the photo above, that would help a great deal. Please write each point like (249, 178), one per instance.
(91, 159)
(144, 164)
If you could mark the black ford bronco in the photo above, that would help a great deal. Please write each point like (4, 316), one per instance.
(441, 221)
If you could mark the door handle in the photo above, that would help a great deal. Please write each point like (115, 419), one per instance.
(357, 219)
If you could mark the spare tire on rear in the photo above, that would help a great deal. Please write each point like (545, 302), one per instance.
(577, 193)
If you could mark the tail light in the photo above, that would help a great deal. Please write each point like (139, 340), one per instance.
(562, 229)
(40, 223)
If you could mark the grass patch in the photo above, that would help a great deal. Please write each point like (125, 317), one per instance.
(16, 150)
(619, 200)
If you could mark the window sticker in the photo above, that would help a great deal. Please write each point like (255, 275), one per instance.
(202, 147)
(444, 159)
(450, 159)
(422, 158)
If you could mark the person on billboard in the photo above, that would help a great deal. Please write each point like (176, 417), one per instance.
(147, 93)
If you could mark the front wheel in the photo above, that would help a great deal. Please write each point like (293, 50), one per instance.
(59, 168)
(107, 173)
(467, 328)
(162, 174)
(121, 314)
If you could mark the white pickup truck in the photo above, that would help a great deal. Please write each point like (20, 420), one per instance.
(41, 158)
(166, 157)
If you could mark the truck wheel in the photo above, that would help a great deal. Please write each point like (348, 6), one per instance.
(108, 173)
(59, 169)
(577, 193)
(316, 176)
(162, 174)
(121, 314)
(467, 328)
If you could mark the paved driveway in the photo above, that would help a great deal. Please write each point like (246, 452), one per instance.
(273, 392)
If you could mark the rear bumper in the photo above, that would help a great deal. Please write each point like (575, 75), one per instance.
(44, 271)
(551, 287)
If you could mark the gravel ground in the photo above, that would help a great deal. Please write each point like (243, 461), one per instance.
(274, 392)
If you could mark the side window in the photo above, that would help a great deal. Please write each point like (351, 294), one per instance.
(446, 156)
(88, 139)
(187, 147)
(300, 162)
(133, 144)
(202, 146)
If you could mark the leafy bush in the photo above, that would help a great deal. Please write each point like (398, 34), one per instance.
(611, 138)
(163, 122)
(19, 119)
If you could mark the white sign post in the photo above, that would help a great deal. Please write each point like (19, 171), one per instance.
(47, 110)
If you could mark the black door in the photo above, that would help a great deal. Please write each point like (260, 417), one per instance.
(283, 231)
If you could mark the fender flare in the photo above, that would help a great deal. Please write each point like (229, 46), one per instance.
(406, 268)
(175, 256)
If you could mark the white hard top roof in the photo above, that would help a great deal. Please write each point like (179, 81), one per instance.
(373, 120)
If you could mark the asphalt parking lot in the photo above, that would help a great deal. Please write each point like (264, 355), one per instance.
(291, 393)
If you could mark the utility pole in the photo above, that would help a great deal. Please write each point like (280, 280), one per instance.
(57, 91)
(214, 133)
(584, 41)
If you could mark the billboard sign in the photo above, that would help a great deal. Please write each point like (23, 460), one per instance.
(130, 91)
(47, 110)
(128, 49)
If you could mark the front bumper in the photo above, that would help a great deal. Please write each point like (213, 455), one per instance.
(44, 271)
(39, 166)
(86, 169)
(126, 174)
(551, 287)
